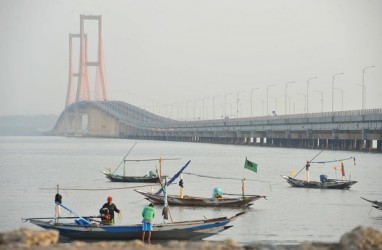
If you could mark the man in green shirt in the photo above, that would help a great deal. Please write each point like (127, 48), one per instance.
(148, 214)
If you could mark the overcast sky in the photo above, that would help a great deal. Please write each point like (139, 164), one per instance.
(191, 54)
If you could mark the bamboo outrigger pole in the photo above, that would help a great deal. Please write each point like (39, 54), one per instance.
(123, 161)
(309, 161)
(160, 166)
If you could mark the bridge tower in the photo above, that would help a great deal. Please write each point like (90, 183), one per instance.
(83, 88)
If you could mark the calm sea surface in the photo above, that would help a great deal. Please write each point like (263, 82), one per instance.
(30, 165)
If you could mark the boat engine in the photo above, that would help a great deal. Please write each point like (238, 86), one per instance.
(105, 215)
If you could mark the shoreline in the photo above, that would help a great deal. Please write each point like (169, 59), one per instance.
(30, 239)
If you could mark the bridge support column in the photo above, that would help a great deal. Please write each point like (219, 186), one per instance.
(335, 141)
(369, 145)
(379, 146)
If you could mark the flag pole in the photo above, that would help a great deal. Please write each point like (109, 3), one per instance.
(243, 180)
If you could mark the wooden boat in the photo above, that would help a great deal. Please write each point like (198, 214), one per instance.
(149, 178)
(176, 200)
(375, 204)
(327, 184)
(182, 230)
(124, 178)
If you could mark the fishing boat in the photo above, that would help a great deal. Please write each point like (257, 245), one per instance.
(375, 204)
(123, 178)
(95, 231)
(327, 184)
(324, 182)
(151, 177)
(217, 200)
(185, 200)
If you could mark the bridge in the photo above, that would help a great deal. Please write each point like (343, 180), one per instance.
(359, 130)
(88, 114)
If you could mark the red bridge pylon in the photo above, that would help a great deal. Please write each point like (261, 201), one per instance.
(83, 89)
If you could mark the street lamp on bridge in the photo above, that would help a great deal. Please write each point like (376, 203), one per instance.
(205, 98)
(213, 106)
(225, 103)
(334, 76)
(363, 86)
(342, 98)
(286, 90)
(307, 93)
(275, 110)
(268, 87)
(304, 100)
(322, 99)
(252, 99)
(237, 102)
(187, 108)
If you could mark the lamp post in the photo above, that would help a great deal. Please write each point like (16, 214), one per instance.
(268, 87)
(334, 76)
(307, 93)
(286, 90)
(195, 101)
(205, 98)
(252, 99)
(363, 86)
(275, 98)
(237, 103)
(225, 103)
(213, 107)
(322, 99)
(187, 108)
(304, 100)
(342, 98)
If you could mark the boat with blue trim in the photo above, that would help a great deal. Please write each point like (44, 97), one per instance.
(80, 229)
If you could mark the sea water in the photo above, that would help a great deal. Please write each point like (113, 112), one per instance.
(31, 168)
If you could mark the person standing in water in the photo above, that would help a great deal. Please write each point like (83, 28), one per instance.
(148, 215)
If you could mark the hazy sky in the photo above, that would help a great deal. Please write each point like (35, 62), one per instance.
(186, 53)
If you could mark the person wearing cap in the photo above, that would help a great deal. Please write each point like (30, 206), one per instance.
(111, 207)
(148, 214)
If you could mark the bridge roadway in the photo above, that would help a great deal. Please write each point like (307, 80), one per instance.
(359, 130)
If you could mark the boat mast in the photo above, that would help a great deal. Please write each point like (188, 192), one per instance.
(160, 166)
(243, 186)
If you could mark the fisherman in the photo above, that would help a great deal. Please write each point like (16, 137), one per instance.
(307, 171)
(148, 214)
(58, 202)
(107, 211)
(218, 193)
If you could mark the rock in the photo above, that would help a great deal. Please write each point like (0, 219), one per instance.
(29, 237)
(363, 238)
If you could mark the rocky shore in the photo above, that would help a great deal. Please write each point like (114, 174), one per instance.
(364, 238)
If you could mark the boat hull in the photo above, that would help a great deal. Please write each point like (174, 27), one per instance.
(375, 204)
(176, 200)
(122, 178)
(187, 230)
(330, 184)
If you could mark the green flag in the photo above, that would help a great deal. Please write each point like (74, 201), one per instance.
(250, 165)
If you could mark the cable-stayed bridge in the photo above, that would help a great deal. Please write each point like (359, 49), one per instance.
(84, 115)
